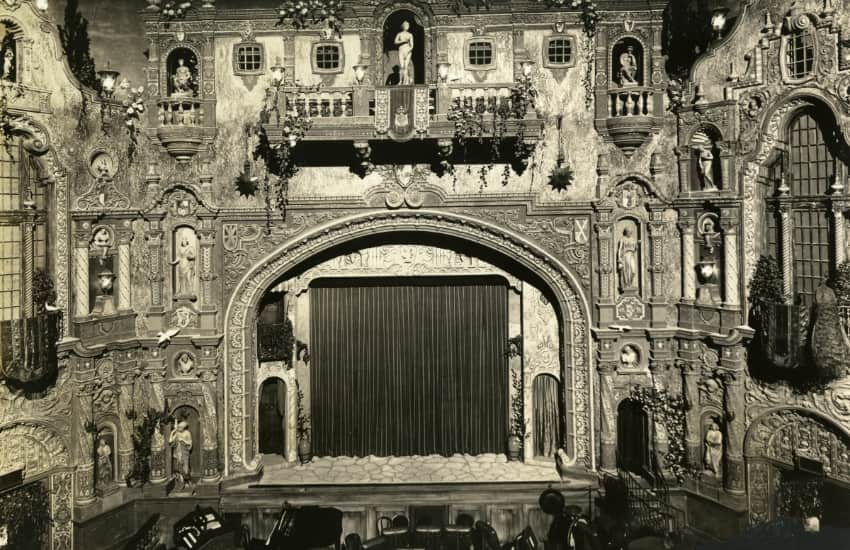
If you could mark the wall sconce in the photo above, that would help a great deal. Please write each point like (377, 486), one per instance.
(108, 78)
(718, 20)
(527, 67)
(277, 71)
(42, 4)
(360, 71)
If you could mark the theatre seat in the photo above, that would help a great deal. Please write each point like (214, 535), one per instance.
(396, 530)
(428, 536)
(377, 543)
(457, 537)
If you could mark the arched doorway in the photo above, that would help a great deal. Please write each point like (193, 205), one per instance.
(328, 239)
(271, 417)
(798, 464)
(633, 452)
(392, 26)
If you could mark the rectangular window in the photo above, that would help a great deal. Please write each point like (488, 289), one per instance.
(10, 272)
(249, 58)
(811, 252)
(800, 54)
(10, 176)
(480, 53)
(811, 165)
(327, 57)
(559, 52)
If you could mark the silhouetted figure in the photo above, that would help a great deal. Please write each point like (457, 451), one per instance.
(394, 79)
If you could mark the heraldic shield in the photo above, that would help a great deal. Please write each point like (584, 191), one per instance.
(398, 113)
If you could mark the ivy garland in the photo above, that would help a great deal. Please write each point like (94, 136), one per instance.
(305, 12)
(470, 125)
(459, 7)
(25, 512)
(143, 430)
(303, 422)
(134, 106)
(669, 410)
(518, 427)
(9, 91)
(172, 10)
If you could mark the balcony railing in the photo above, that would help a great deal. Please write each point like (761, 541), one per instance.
(323, 103)
(180, 112)
(629, 102)
(28, 347)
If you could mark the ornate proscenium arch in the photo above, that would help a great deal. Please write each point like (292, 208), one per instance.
(241, 312)
(782, 437)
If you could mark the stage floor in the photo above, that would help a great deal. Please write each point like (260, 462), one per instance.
(404, 470)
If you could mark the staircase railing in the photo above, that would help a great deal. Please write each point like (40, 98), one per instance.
(649, 504)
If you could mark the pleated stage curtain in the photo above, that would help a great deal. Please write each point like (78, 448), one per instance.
(547, 433)
(408, 366)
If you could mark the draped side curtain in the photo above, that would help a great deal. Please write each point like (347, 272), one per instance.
(547, 433)
(408, 366)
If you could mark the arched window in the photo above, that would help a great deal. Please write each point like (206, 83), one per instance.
(804, 172)
(800, 54)
(23, 207)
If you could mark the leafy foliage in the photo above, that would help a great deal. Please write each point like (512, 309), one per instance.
(766, 285)
(143, 430)
(459, 7)
(669, 410)
(305, 12)
(840, 283)
(134, 106)
(176, 10)
(796, 498)
(518, 428)
(74, 35)
(685, 35)
(26, 514)
(43, 290)
(303, 421)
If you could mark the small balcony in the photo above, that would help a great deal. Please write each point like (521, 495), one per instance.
(183, 125)
(28, 348)
(364, 114)
(628, 115)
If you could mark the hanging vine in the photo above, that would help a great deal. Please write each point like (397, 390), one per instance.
(305, 12)
(134, 106)
(25, 512)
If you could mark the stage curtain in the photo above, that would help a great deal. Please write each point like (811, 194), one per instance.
(408, 366)
(547, 433)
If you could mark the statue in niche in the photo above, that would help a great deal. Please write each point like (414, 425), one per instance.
(158, 439)
(629, 357)
(9, 65)
(627, 262)
(182, 80)
(105, 474)
(404, 41)
(705, 165)
(628, 67)
(181, 445)
(185, 258)
(713, 449)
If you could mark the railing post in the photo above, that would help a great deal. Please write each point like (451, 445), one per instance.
(361, 100)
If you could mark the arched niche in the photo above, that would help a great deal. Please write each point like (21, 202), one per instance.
(547, 415)
(388, 17)
(106, 457)
(192, 417)
(633, 437)
(629, 258)
(391, 28)
(10, 51)
(627, 62)
(706, 170)
(184, 262)
(272, 417)
(182, 71)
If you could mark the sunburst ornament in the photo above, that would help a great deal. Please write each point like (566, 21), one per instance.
(246, 184)
(562, 175)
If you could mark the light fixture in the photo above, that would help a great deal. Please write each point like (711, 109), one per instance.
(107, 77)
(360, 71)
(277, 71)
(527, 67)
(42, 4)
(718, 20)
(443, 71)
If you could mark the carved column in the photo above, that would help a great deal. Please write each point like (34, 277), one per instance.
(126, 381)
(27, 241)
(608, 415)
(81, 268)
(605, 247)
(686, 226)
(156, 373)
(207, 242)
(125, 285)
(731, 271)
(154, 236)
(787, 262)
(657, 229)
(733, 365)
(690, 391)
(85, 378)
(838, 223)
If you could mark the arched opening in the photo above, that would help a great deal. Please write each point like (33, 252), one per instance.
(182, 71)
(547, 422)
(706, 173)
(271, 418)
(391, 31)
(9, 52)
(106, 458)
(465, 238)
(633, 450)
(627, 62)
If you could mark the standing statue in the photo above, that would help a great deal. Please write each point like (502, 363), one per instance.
(706, 168)
(713, 449)
(105, 474)
(404, 41)
(9, 64)
(182, 80)
(185, 257)
(628, 67)
(181, 443)
(627, 262)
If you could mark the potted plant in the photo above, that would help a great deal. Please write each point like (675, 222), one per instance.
(305, 445)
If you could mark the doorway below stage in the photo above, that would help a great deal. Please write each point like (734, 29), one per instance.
(272, 416)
